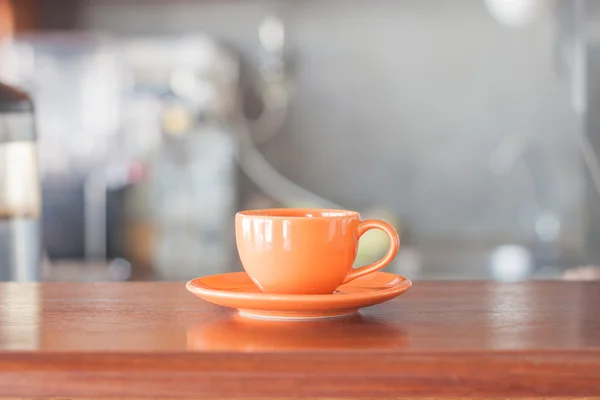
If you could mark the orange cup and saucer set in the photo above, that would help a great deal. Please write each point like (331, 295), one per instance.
(298, 266)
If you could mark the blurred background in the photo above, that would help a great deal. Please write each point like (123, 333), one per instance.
(470, 125)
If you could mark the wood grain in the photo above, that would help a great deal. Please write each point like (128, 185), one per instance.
(305, 398)
(441, 339)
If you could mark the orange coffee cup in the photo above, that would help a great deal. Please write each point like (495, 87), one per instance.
(305, 251)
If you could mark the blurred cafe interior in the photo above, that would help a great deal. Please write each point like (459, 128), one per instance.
(469, 125)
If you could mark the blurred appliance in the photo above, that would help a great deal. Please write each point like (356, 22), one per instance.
(178, 102)
(75, 84)
(20, 246)
(136, 158)
(139, 141)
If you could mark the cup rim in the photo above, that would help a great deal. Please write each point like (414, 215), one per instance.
(299, 213)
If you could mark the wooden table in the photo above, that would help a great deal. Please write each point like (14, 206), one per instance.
(443, 339)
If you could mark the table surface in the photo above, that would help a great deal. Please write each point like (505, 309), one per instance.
(440, 338)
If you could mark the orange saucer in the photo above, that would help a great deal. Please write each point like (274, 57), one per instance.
(236, 290)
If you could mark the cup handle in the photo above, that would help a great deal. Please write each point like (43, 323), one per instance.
(363, 227)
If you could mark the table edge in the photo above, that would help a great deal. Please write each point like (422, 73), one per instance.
(324, 374)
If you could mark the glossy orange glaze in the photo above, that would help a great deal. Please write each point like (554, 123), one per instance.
(236, 290)
(305, 251)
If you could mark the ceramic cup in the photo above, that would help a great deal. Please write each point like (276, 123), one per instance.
(305, 251)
